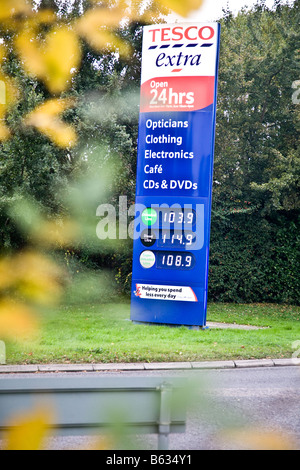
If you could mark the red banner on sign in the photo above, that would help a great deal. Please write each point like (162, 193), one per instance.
(177, 94)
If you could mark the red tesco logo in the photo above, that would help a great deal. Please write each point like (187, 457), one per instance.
(177, 33)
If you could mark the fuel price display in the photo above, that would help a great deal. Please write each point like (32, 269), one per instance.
(177, 119)
(167, 238)
(175, 260)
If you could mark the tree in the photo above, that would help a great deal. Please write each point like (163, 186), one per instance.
(45, 47)
(257, 120)
(255, 222)
(51, 62)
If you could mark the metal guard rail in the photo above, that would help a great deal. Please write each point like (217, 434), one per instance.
(87, 405)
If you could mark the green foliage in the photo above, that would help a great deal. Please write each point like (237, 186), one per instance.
(254, 260)
(255, 220)
(95, 333)
(257, 123)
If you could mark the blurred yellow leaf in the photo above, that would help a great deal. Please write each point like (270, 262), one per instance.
(261, 439)
(99, 17)
(9, 8)
(4, 132)
(2, 52)
(183, 8)
(8, 96)
(45, 16)
(32, 276)
(52, 61)
(28, 50)
(7, 274)
(38, 278)
(28, 430)
(94, 28)
(62, 56)
(16, 320)
(46, 118)
(51, 233)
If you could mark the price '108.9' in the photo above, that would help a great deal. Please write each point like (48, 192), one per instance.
(169, 260)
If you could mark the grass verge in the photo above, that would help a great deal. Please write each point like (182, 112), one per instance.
(104, 333)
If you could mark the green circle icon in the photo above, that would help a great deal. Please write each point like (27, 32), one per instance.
(149, 216)
(147, 259)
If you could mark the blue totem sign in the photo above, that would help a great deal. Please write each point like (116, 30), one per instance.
(174, 174)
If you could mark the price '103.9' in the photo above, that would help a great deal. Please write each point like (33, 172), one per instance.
(177, 217)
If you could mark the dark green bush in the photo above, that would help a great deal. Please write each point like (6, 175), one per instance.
(254, 260)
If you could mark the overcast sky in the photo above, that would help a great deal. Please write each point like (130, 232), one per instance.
(212, 9)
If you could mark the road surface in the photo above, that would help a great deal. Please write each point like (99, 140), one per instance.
(231, 409)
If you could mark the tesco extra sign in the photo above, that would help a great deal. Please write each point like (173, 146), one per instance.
(178, 33)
